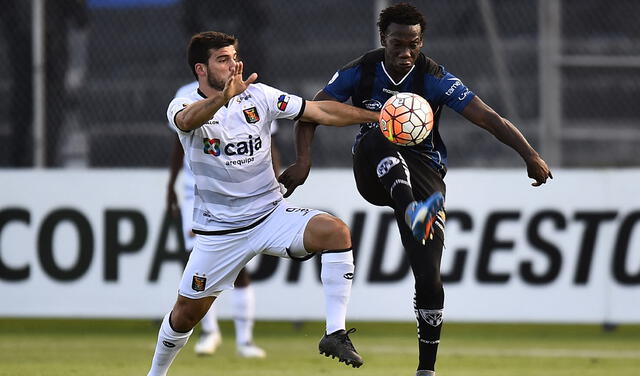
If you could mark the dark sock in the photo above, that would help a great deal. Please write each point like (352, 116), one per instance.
(428, 337)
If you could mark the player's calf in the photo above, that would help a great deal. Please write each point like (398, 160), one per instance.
(188, 312)
(169, 343)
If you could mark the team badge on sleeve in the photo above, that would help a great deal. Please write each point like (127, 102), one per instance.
(251, 115)
(283, 101)
(199, 282)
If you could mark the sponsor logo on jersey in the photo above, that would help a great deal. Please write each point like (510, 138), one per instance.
(453, 86)
(389, 91)
(243, 97)
(432, 317)
(464, 94)
(283, 101)
(198, 282)
(304, 211)
(385, 165)
(372, 104)
(248, 147)
(240, 162)
(212, 146)
(251, 115)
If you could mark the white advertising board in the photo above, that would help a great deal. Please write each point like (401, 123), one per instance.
(97, 243)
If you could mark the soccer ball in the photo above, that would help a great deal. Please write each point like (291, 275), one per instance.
(406, 119)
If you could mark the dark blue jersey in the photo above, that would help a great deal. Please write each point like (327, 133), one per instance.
(438, 87)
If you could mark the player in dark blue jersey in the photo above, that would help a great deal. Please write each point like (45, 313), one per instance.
(405, 177)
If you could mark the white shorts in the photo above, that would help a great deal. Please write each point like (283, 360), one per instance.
(216, 260)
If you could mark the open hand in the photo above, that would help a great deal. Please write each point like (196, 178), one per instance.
(235, 85)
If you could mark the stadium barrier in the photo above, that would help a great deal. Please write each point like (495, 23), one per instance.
(98, 243)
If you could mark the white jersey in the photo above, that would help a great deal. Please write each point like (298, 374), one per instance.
(188, 182)
(230, 156)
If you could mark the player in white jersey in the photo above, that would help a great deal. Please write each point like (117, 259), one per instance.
(243, 296)
(239, 211)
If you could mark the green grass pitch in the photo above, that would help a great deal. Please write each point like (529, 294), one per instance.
(124, 347)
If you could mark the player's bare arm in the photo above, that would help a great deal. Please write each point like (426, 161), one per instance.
(297, 173)
(336, 114)
(485, 117)
(198, 113)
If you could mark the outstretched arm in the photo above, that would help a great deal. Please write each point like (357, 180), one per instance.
(485, 117)
(329, 112)
(198, 113)
(297, 173)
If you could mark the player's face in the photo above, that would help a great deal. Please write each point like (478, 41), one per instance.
(220, 67)
(402, 45)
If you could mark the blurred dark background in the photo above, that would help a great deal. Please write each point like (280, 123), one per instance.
(112, 66)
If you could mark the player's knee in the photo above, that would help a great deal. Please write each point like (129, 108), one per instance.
(327, 232)
(182, 321)
(339, 234)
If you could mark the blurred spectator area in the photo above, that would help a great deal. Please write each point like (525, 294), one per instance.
(136, 60)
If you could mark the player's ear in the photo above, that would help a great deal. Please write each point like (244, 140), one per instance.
(383, 40)
(200, 69)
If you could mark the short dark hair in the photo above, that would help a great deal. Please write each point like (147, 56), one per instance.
(402, 14)
(201, 44)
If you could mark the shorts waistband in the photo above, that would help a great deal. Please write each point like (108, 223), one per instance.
(233, 230)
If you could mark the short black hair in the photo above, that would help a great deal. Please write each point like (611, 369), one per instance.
(402, 14)
(201, 44)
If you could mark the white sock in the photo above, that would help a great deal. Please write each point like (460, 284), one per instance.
(169, 344)
(244, 307)
(210, 321)
(337, 277)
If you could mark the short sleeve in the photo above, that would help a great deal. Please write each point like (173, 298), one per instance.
(341, 85)
(176, 105)
(452, 91)
(282, 105)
